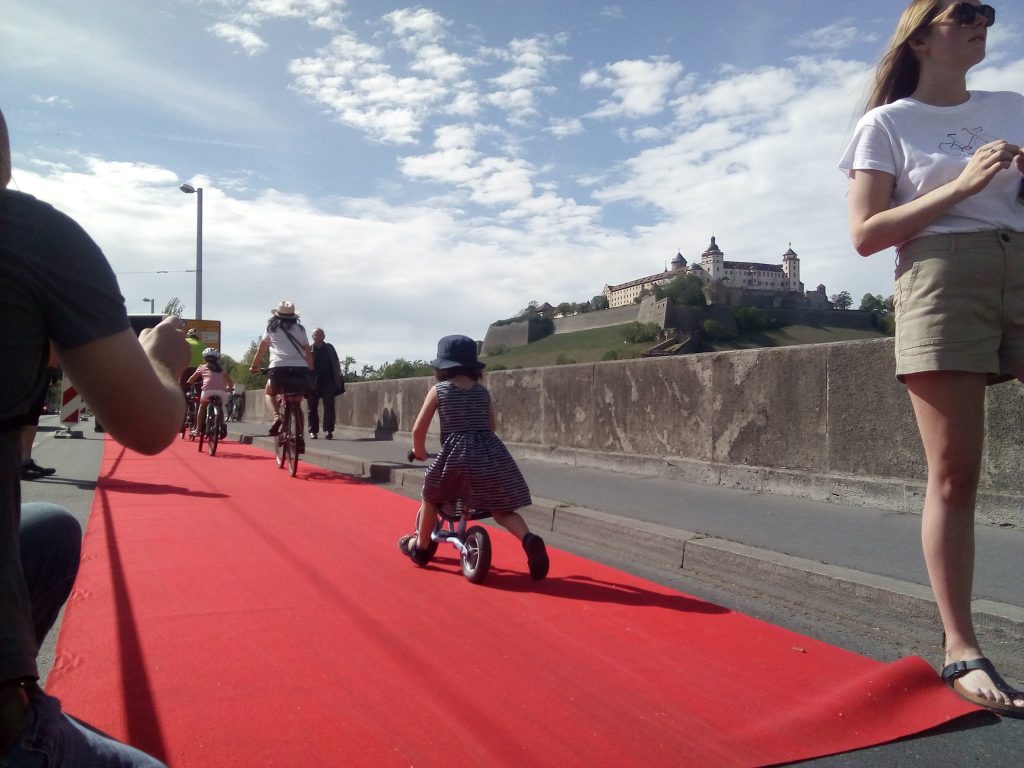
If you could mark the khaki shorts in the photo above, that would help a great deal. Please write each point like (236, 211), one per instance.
(959, 302)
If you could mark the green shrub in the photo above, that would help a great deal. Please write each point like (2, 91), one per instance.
(637, 332)
(715, 331)
(611, 354)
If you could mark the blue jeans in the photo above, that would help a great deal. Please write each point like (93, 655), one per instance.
(54, 739)
(50, 541)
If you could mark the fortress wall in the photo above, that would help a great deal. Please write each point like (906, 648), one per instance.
(506, 336)
(598, 319)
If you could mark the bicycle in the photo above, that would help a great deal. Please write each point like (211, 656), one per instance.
(188, 426)
(235, 407)
(213, 430)
(288, 443)
(473, 543)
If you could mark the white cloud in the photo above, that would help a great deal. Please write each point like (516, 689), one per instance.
(640, 88)
(53, 101)
(837, 36)
(418, 24)
(350, 78)
(245, 16)
(515, 89)
(563, 128)
(246, 39)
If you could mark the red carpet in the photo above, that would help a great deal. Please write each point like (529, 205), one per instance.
(229, 615)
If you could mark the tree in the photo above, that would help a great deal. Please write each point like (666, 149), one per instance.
(685, 290)
(174, 307)
(240, 372)
(883, 309)
(872, 303)
(842, 300)
(639, 332)
(399, 369)
(346, 364)
(565, 309)
(599, 302)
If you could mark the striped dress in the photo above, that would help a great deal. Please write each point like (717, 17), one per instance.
(473, 464)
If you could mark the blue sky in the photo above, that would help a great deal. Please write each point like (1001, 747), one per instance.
(402, 172)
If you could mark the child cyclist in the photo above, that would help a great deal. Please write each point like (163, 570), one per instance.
(216, 383)
(473, 465)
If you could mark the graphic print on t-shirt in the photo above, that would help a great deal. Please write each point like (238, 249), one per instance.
(965, 142)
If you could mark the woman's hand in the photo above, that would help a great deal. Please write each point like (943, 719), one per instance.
(985, 163)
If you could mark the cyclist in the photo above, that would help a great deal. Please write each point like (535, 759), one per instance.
(290, 358)
(195, 351)
(216, 383)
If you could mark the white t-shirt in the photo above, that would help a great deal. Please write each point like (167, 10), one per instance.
(925, 147)
(282, 351)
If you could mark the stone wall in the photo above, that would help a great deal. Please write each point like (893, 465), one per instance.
(506, 336)
(825, 421)
(601, 318)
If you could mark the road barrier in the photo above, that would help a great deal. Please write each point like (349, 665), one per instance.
(70, 409)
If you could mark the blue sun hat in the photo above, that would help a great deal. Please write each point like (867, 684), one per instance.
(456, 352)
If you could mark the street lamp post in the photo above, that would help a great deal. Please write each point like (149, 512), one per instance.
(198, 192)
(152, 306)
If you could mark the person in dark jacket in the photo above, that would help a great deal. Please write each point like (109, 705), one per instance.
(329, 384)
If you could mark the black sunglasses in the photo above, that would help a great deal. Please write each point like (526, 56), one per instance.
(966, 13)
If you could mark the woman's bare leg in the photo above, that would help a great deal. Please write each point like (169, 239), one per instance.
(950, 411)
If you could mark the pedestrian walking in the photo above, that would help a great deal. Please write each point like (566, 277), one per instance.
(327, 384)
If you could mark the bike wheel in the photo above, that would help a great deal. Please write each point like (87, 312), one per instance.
(476, 561)
(213, 419)
(280, 447)
(201, 432)
(294, 424)
(193, 427)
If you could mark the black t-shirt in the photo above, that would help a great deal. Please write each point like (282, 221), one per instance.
(55, 284)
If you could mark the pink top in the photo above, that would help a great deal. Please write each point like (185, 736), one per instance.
(213, 381)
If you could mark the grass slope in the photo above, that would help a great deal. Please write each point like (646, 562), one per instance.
(590, 346)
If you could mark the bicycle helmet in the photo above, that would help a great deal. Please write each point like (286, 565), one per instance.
(211, 352)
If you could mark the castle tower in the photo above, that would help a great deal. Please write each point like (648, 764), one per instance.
(678, 263)
(713, 261)
(791, 267)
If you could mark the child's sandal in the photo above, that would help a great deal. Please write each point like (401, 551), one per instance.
(414, 553)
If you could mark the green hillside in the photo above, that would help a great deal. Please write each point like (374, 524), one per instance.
(592, 345)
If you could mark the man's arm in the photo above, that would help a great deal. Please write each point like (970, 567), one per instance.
(132, 384)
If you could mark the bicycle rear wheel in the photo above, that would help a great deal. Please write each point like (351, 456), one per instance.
(280, 447)
(213, 420)
(293, 423)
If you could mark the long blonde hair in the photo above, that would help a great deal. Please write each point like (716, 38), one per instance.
(898, 72)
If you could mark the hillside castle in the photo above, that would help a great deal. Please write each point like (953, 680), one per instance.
(733, 283)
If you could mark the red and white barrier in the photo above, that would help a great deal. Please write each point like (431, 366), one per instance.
(70, 403)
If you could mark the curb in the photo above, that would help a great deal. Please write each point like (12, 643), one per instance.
(827, 590)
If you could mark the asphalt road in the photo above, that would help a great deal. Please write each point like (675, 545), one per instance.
(982, 740)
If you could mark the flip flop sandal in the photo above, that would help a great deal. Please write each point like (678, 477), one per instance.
(952, 672)
(414, 553)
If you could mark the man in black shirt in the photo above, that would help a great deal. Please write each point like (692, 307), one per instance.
(57, 286)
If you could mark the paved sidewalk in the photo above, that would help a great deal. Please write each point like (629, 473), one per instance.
(859, 563)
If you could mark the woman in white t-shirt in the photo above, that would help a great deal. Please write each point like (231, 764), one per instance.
(936, 172)
(290, 358)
